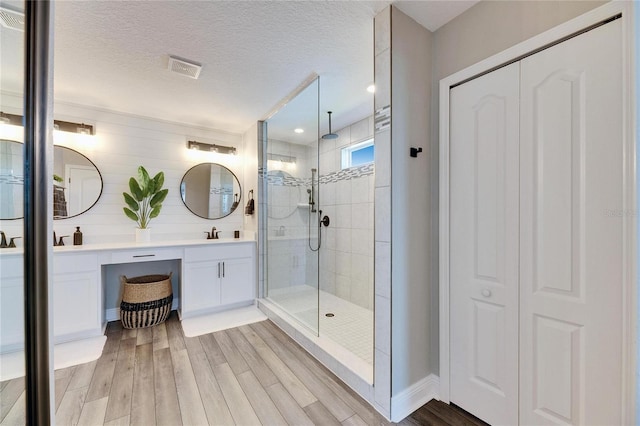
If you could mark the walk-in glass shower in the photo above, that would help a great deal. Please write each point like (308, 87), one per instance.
(318, 231)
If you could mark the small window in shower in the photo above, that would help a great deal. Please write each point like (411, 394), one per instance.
(358, 154)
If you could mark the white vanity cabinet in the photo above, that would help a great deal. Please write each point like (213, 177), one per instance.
(216, 277)
(77, 299)
(77, 296)
(11, 303)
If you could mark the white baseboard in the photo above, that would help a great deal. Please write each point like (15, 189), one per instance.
(414, 397)
(113, 314)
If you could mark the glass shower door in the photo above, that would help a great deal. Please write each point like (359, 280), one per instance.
(292, 197)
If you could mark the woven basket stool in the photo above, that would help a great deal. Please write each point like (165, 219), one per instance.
(146, 300)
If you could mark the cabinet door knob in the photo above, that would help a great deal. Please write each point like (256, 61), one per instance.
(486, 292)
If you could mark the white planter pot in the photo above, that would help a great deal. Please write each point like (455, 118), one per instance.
(143, 235)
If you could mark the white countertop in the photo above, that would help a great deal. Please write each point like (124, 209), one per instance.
(133, 245)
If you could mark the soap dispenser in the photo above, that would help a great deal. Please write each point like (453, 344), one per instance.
(77, 237)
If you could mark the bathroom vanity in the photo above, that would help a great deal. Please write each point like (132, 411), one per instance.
(215, 275)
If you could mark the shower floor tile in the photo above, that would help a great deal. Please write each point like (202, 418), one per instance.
(351, 326)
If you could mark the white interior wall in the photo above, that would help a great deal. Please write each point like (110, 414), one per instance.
(411, 208)
(250, 175)
(123, 142)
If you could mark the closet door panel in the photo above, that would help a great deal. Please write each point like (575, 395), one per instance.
(484, 246)
(571, 166)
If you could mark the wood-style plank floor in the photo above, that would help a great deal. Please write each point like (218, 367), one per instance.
(250, 375)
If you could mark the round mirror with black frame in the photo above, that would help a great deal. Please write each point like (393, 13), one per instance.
(210, 190)
(77, 182)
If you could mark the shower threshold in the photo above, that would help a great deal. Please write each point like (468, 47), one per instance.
(345, 344)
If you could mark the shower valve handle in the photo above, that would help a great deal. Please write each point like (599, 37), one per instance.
(325, 221)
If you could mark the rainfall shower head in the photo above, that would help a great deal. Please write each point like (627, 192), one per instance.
(330, 135)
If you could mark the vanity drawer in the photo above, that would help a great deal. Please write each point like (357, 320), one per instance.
(75, 262)
(222, 251)
(145, 255)
(11, 266)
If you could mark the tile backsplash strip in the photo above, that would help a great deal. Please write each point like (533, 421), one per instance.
(123, 142)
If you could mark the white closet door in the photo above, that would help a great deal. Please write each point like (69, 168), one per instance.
(484, 246)
(571, 166)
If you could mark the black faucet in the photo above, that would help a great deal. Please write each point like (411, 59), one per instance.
(60, 241)
(213, 235)
(3, 241)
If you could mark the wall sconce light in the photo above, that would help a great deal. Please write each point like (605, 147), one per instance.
(11, 127)
(282, 158)
(67, 126)
(64, 126)
(12, 119)
(203, 146)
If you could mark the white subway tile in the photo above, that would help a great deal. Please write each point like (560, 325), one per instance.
(383, 269)
(383, 214)
(383, 79)
(383, 324)
(383, 158)
(382, 374)
(382, 30)
(343, 240)
(343, 287)
(343, 216)
(361, 215)
(360, 189)
(343, 264)
(360, 131)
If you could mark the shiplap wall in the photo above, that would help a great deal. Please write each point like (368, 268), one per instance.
(122, 143)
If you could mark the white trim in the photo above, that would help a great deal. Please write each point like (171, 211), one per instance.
(631, 186)
(113, 314)
(443, 267)
(346, 153)
(414, 397)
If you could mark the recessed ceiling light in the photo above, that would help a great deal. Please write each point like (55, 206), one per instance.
(371, 88)
(299, 130)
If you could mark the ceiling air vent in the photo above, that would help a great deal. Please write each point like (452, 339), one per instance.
(11, 19)
(183, 67)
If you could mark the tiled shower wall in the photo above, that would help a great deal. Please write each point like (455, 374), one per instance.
(346, 196)
(290, 263)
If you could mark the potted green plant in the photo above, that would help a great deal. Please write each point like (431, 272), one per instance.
(145, 201)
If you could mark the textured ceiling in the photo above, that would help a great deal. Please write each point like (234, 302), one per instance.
(114, 55)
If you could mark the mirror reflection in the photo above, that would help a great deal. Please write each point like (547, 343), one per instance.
(210, 190)
(77, 183)
(285, 193)
(11, 179)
